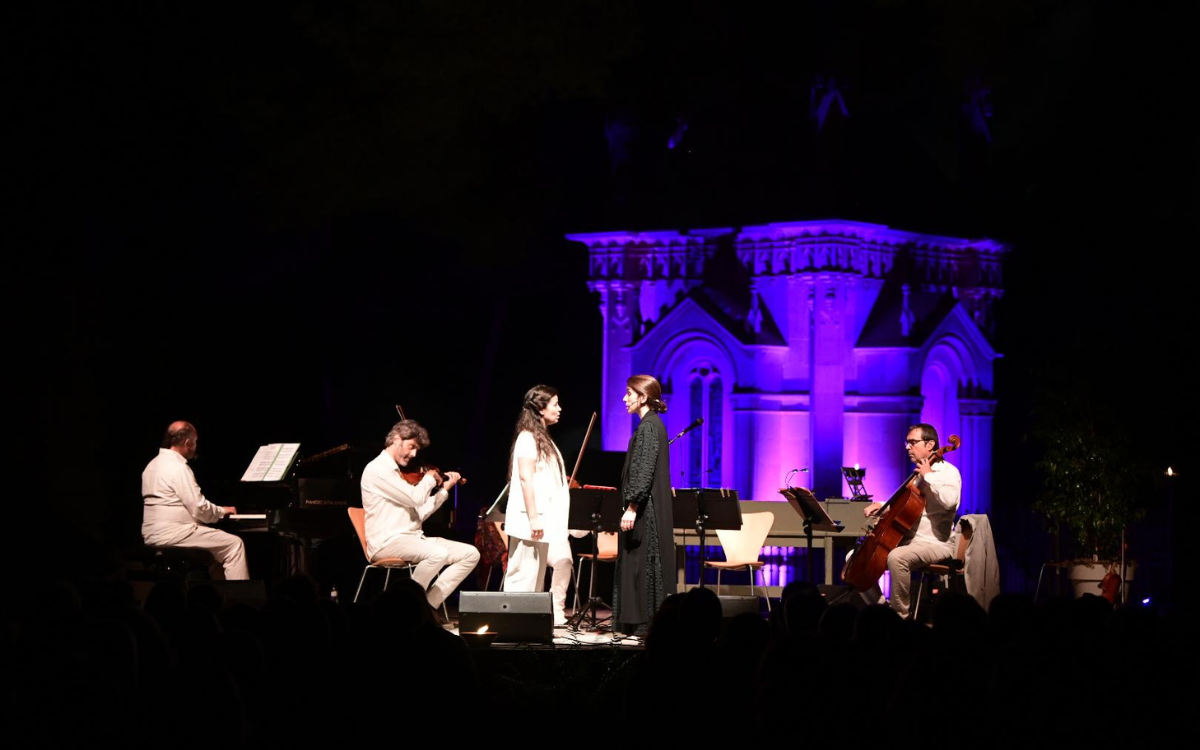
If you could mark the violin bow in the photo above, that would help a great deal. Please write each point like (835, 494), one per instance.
(587, 435)
(462, 480)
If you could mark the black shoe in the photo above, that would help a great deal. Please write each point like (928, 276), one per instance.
(438, 616)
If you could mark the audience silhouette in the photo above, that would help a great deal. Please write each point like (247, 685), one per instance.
(188, 663)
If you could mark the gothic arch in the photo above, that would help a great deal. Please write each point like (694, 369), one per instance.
(687, 347)
(700, 375)
(947, 366)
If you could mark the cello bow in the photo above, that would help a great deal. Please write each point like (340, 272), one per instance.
(587, 436)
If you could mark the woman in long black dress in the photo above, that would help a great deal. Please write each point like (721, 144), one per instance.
(647, 543)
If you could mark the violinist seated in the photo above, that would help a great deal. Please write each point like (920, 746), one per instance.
(395, 510)
(940, 483)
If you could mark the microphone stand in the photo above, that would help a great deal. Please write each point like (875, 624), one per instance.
(699, 421)
(701, 516)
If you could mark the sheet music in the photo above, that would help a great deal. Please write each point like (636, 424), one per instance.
(271, 462)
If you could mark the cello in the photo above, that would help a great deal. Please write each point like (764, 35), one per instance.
(893, 523)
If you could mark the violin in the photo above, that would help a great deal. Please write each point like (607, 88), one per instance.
(416, 472)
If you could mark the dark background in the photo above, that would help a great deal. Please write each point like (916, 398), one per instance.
(279, 222)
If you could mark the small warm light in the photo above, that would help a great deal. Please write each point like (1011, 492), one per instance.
(482, 630)
(1171, 472)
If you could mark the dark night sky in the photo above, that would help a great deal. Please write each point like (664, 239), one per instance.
(279, 223)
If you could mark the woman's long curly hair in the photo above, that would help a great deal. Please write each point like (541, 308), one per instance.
(537, 399)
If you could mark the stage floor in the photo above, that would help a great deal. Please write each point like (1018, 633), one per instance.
(563, 637)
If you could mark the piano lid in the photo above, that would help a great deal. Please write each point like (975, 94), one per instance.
(328, 478)
(345, 460)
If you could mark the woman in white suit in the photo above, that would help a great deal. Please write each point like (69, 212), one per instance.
(539, 498)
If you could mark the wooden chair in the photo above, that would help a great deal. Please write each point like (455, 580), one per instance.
(945, 572)
(387, 564)
(743, 547)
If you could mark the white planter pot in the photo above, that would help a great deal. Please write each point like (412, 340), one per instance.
(1086, 577)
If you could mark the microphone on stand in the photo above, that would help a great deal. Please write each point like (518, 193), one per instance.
(695, 423)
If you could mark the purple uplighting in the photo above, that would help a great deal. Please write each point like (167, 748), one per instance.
(837, 337)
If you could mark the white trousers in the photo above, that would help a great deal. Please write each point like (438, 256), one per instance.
(562, 563)
(228, 550)
(450, 561)
(526, 570)
(902, 561)
(527, 563)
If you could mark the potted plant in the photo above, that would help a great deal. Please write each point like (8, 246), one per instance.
(1094, 480)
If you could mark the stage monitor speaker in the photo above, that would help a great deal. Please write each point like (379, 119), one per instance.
(515, 617)
(732, 606)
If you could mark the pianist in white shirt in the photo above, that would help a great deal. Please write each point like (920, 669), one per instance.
(174, 510)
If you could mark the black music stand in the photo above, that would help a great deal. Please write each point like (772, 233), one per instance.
(710, 509)
(597, 508)
(815, 517)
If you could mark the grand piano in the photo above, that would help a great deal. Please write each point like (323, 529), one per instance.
(295, 517)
